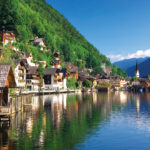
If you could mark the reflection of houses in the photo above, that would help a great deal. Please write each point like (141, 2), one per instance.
(7, 80)
(72, 70)
(55, 78)
(20, 72)
(106, 69)
(33, 79)
(7, 37)
(38, 42)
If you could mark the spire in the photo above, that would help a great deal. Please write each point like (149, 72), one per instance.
(136, 65)
(137, 74)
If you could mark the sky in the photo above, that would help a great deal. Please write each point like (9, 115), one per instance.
(119, 29)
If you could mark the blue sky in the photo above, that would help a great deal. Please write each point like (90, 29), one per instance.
(117, 28)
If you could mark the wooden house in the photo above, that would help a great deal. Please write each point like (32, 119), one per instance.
(55, 78)
(72, 70)
(33, 78)
(38, 42)
(7, 80)
(20, 72)
(56, 63)
(7, 37)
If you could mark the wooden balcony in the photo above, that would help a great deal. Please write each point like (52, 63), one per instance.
(21, 74)
(4, 110)
(21, 68)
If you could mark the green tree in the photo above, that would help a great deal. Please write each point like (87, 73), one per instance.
(87, 84)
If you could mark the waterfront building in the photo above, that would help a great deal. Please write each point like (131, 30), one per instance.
(20, 72)
(55, 78)
(117, 82)
(137, 73)
(7, 80)
(33, 79)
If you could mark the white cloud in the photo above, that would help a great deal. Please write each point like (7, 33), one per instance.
(138, 54)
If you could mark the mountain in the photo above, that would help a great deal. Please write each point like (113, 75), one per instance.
(143, 69)
(127, 63)
(31, 18)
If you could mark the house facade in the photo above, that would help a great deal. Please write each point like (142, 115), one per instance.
(33, 79)
(55, 79)
(7, 37)
(20, 72)
(72, 70)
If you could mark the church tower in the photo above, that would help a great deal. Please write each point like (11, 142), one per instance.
(137, 73)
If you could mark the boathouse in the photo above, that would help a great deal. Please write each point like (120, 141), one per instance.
(7, 80)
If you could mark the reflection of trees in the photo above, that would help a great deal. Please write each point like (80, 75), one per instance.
(63, 123)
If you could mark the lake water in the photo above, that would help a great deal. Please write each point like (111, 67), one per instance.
(97, 121)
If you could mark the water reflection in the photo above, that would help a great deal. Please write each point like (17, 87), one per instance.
(67, 121)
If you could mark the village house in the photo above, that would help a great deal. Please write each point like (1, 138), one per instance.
(117, 82)
(20, 72)
(72, 70)
(33, 79)
(7, 37)
(106, 69)
(7, 80)
(38, 42)
(55, 78)
(29, 58)
(85, 76)
(57, 62)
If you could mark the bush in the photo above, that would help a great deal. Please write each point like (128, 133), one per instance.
(87, 84)
(72, 83)
(104, 84)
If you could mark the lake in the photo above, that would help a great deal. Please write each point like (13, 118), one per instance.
(94, 121)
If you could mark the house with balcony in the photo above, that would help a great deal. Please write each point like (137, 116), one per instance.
(55, 79)
(56, 63)
(20, 72)
(33, 78)
(72, 70)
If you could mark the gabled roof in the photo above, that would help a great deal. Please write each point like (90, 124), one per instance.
(32, 70)
(4, 72)
(37, 40)
(20, 61)
(50, 71)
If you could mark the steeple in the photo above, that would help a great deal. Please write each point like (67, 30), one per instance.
(137, 74)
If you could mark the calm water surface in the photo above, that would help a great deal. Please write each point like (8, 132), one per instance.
(97, 121)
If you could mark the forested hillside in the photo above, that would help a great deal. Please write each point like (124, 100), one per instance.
(30, 18)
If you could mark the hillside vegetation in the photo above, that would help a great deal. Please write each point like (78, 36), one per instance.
(30, 18)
